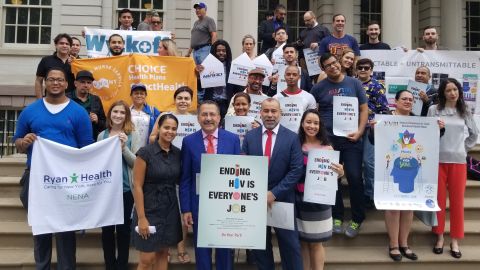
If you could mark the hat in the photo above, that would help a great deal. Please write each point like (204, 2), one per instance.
(256, 71)
(200, 5)
(84, 74)
(138, 86)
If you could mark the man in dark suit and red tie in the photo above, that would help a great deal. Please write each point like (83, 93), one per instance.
(282, 147)
(210, 140)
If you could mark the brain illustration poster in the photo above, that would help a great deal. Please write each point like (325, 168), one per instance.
(406, 162)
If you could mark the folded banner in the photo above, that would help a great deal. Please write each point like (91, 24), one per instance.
(144, 42)
(162, 75)
(75, 189)
(406, 163)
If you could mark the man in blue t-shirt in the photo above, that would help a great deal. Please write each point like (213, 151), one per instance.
(338, 40)
(351, 146)
(57, 118)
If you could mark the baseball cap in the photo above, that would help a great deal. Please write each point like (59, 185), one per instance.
(138, 86)
(84, 74)
(256, 71)
(200, 5)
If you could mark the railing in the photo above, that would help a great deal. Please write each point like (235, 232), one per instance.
(8, 123)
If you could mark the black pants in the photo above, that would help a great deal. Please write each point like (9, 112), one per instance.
(119, 262)
(42, 243)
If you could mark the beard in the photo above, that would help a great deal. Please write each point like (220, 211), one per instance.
(114, 53)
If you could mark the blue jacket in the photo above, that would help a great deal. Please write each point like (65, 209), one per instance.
(286, 163)
(192, 149)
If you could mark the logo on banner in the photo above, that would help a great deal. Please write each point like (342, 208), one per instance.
(77, 181)
(109, 81)
(98, 42)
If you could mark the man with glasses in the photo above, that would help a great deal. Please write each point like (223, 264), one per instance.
(55, 118)
(63, 43)
(254, 87)
(377, 104)
(156, 22)
(267, 28)
(351, 146)
(90, 102)
(430, 97)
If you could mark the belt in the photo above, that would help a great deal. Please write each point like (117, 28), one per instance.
(201, 46)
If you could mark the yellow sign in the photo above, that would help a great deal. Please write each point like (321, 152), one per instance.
(162, 75)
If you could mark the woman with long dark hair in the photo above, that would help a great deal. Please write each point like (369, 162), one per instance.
(314, 221)
(452, 172)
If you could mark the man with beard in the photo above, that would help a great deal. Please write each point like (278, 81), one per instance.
(267, 28)
(116, 45)
(285, 164)
(254, 87)
(55, 118)
(338, 40)
(90, 102)
(374, 43)
(63, 44)
(209, 140)
(350, 146)
(430, 38)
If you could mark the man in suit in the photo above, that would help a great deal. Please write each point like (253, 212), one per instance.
(211, 140)
(267, 28)
(282, 146)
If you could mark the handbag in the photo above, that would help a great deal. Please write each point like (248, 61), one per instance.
(428, 218)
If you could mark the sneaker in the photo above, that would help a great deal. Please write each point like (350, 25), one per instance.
(337, 226)
(352, 229)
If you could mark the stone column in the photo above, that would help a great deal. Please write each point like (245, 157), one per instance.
(397, 23)
(240, 18)
(451, 20)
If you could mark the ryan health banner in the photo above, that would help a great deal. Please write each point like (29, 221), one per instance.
(162, 75)
(75, 189)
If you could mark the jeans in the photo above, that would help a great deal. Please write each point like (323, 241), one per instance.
(200, 54)
(66, 249)
(368, 165)
(351, 157)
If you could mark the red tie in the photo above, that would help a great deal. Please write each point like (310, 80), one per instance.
(268, 145)
(210, 147)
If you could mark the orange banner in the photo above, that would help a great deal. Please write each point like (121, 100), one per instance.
(162, 75)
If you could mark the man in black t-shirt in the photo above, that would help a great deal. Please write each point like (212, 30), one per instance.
(63, 44)
(374, 43)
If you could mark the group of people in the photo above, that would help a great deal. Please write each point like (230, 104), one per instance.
(160, 198)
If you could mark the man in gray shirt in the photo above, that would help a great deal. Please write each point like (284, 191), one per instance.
(145, 25)
(204, 33)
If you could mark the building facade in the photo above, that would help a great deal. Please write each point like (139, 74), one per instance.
(29, 26)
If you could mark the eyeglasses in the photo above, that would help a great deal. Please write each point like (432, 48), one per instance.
(366, 68)
(327, 66)
(54, 80)
(156, 22)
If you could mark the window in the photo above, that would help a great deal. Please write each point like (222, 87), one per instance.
(370, 10)
(473, 26)
(265, 7)
(27, 21)
(139, 9)
(8, 121)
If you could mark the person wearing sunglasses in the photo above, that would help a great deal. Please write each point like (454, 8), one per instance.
(377, 104)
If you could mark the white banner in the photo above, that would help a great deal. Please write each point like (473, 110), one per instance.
(321, 182)
(396, 67)
(312, 61)
(239, 70)
(233, 201)
(144, 42)
(292, 111)
(345, 115)
(213, 74)
(406, 162)
(187, 124)
(239, 125)
(264, 64)
(256, 106)
(415, 88)
(75, 189)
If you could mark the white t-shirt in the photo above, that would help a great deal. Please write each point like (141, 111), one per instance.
(55, 108)
(307, 99)
(141, 121)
